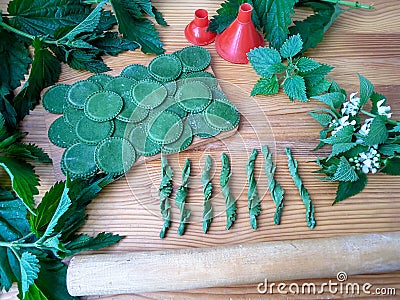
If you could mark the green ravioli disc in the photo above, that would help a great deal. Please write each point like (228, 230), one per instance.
(55, 98)
(101, 79)
(222, 115)
(141, 142)
(165, 128)
(121, 129)
(194, 58)
(200, 127)
(115, 156)
(92, 132)
(171, 87)
(149, 94)
(180, 144)
(205, 77)
(171, 105)
(78, 160)
(73, 115)
(80, 91)
(136, 71)
(132, 113)
(61, 134)
(103, 106)
(165, 67)
(121, 85)
(193, 96)
(218, 94)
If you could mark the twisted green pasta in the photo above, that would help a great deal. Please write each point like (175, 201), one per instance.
(230, 201)
(180, 198)
(164, 191)
(252, 195)
(207, 191)
(305, 196)
(274, 187)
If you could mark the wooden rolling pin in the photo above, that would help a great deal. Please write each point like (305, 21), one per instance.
(233, 265)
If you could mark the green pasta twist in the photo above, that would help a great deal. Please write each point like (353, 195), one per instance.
(164, 191)
(207, 191)
(230, 201)
(252, 195)
(274, 187)
(305, 196)
(180, 198)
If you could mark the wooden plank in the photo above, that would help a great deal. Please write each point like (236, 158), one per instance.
(360, 41)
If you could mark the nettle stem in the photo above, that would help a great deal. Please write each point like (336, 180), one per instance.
(351, 4)
(391, 122)
(24, 34)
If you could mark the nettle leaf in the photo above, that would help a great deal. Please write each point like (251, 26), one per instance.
(7, 276)
(90, 61)
(111, 44)
(322, 135)
(29, 270)
(323, 119)
(265, 86)
(13, 221)
(43, 17)
(333, 100)
(84, 242)
(88, 25)
(295, 88)
(345, 172)
(23, 150)
(389, 149)
(392, 166)
(344, 135)
(321, 87)
(136, 28)
(34, 293)
(366, 89)
(46, 209)
(348, 189)
(315, 76)
(291, 47)
(263, 60)
(24, 181)
(306, 64)
(14, 61)
(45, 72)
(313, 28)
(275, 18)
(378, 133)
(340, 148)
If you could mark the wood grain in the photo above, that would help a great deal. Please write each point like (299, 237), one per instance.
(367, 42)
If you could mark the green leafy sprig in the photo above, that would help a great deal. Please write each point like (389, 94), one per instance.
(65, 31)
(164, 191)
(207, 191)
(301, 77)
(180, 198)
(230, 201)
(363, 140)
(305, 196)
(254, 201)
(32, 245)
(274, 18)
(274, 187)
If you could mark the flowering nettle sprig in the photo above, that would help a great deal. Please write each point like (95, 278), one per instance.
(363, 141)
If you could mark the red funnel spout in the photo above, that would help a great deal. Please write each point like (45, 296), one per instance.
(239, 38)
(196, 31)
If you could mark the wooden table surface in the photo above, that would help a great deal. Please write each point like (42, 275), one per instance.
(367, 42)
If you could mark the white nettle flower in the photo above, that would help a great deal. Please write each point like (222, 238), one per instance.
(369, 161)
(340, 123)
(384, 110)
(352, 106)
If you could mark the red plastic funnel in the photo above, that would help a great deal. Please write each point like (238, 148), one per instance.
(196, 31)
(239, 38)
